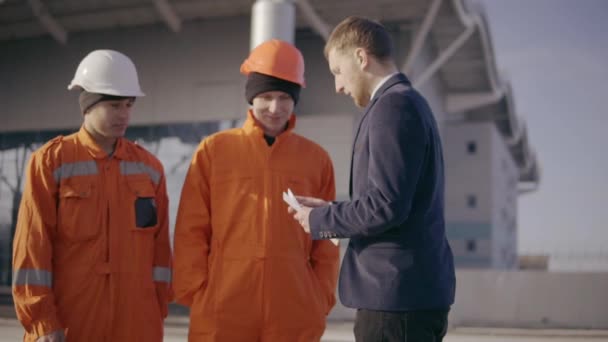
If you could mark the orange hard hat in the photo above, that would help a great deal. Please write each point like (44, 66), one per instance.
(276, 58)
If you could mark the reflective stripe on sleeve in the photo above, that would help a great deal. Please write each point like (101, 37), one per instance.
(162, 274)
(29, 276)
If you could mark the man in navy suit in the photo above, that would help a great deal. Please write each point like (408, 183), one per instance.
(398, 270)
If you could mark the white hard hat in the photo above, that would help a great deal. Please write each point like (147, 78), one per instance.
(107, 72)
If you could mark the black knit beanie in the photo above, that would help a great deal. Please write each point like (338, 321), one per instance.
(88, 100)
(259, 83)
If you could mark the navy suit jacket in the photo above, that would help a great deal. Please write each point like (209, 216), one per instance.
(398, 257)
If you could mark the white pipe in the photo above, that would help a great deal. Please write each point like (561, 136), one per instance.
(444, 56)
(168, 14)
(421, 35)
(462, 102)
(47, 20)
(272, 19)
(314, 19)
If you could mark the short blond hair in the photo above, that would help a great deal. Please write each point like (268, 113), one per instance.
(358, 32)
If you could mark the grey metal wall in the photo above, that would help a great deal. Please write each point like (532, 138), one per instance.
(530, 299)
(190, 76)
(187, 77)
(524, 299)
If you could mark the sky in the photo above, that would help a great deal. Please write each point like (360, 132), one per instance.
(555, 55)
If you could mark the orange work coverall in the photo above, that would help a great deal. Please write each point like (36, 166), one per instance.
(243, 265)
(91, 251)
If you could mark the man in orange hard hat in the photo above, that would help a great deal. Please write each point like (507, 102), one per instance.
(92, 258)
(246, 270)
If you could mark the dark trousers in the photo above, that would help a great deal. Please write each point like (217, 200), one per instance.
(410, 326)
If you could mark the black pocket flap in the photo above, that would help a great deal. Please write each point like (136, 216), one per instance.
(145, 212)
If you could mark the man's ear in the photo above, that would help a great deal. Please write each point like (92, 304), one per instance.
(361, 58)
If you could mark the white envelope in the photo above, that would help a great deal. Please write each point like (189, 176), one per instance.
(291, 200)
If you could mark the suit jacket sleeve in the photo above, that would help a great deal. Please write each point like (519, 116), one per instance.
(398, 142)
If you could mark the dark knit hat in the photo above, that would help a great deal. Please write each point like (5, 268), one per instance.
(259, 83)
(88, 100)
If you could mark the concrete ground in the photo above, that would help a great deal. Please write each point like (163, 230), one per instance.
(176, 330)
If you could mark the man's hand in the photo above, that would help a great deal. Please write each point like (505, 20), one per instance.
(311, 201)
(307, 203)
(301, 216)
(55, 336)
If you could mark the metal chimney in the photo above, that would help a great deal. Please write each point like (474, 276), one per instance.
(272, 19)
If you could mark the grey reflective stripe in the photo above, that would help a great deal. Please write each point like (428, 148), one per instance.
(81, 168)
(30, 276)
(131, 168)
(162, 274)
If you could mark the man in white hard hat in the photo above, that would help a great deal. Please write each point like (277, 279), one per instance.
(92, 260)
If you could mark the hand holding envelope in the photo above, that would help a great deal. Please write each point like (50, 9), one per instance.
(293, 203)
(291, 200)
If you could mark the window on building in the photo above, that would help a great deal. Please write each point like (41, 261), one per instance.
(471, 147)
(472, 201)
(471, 246)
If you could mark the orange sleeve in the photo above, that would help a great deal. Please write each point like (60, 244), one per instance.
(33, 249)
(325, 256)
(162, 249)
(193, 230)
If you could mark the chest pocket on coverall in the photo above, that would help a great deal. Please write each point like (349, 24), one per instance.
(78, 211)
(141, 213)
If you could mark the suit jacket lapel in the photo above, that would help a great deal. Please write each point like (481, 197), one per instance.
(389, 83)
(365, 111)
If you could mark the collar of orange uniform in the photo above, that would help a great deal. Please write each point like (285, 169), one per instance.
(95, 150)
(252, 126)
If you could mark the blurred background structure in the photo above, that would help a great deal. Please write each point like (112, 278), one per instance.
(188, 55)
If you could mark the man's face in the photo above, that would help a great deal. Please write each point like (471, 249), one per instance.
(109, 119)
(348, 76)
(272, 110)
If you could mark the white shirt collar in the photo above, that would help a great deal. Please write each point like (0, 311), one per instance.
(381, 83)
